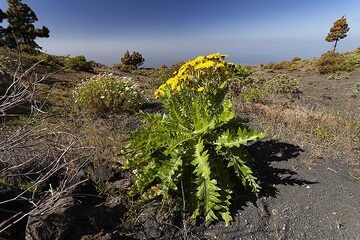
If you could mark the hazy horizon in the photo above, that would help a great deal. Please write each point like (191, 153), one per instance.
(167, 32)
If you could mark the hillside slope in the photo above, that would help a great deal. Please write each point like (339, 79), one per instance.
(308, 165)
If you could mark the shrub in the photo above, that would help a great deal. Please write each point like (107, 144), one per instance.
(197, 145)
(48, 59)
(282, 84)
(106, 93)
(125, 68)
(352, 63)
(339, 75)
(357, 51)
(78, 63)
(330, 62)
(42, 57)
(277, 66)
(94, 64)
(295, 59)
(249, 89)
(257, 89)
(295, 64)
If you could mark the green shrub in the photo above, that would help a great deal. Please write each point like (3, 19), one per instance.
(125, 68)
(282, 84)
(357, 51)
(42, 57)
(352, 63)
(277, 66)
(106, 93)
(293, 65)
(47, 59)
(78, 63)
(249, 89)
(257, 89)
(146, 72)
(94, 64)
(330, 62)
(197, 146)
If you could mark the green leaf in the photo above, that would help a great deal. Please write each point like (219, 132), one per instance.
(228, 112)
(226, 217)
(242, 138)
(144, 177)
(207, 189)
(169, 172)
(243, 171)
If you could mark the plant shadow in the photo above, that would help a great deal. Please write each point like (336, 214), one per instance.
(264, 154)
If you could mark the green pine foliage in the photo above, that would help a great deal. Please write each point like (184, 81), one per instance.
(21, 30)
(338, 31)
(135, 59)
(198, 144)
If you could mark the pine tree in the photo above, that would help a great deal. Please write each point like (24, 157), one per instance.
(126, 59)
(135, 59)
(338, 31)
(2, 29)
(21, 29)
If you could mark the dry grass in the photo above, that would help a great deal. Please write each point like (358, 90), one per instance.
(106, 137)
(324, 134)
(294, 65)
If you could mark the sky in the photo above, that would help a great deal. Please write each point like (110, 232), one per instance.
(169, 31)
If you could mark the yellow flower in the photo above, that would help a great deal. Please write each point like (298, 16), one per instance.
(160, 91)
(199, 59)
(207, 64)
(196, 71)
(220, 65)
(173, 82)
(216, 56)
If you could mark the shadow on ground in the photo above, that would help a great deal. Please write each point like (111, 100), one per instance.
(265, 153)
(252, 215)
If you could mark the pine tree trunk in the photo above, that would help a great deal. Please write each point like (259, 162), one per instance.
(336, 41)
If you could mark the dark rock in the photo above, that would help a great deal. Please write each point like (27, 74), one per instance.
(99, 236)
(155, 222)
(12, 211)
(74, 216)
(104, 172)
(52, 220)
(121, 185)
(326, 97)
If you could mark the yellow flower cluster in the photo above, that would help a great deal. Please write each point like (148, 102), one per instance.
(213, 65)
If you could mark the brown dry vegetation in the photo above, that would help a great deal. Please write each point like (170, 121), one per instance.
(86, 145)
(324, 134)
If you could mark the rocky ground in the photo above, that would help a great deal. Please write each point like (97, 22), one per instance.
(309, 173)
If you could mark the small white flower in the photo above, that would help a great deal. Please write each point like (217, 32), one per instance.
(102, 97)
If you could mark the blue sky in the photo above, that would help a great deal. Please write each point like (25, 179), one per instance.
(167, 31)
